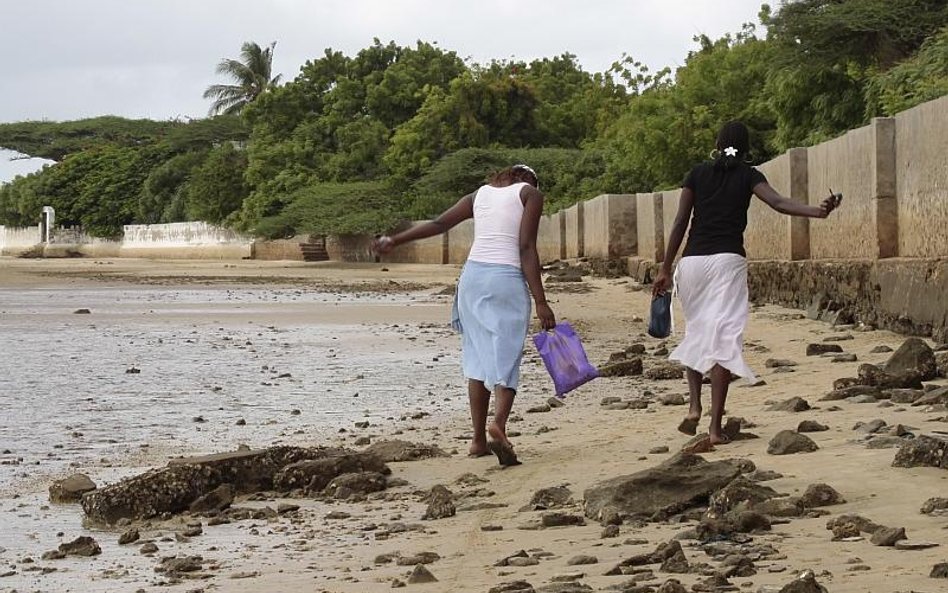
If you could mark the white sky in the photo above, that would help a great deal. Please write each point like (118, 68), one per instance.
(70, 59)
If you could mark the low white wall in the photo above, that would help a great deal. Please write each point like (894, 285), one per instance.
(178, 240)
(184, 240)
(17, 240)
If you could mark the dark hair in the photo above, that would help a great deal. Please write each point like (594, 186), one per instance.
(734, 135)
(515, 174)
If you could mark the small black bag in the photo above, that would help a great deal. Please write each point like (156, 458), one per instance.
(659, 323)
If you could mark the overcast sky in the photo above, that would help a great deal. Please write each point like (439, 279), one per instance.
(70, 59)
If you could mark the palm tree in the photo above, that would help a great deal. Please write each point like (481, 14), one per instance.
(252, 74)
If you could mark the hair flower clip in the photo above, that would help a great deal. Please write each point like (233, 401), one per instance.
(730, 151)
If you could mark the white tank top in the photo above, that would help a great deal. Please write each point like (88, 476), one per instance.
(497, 215)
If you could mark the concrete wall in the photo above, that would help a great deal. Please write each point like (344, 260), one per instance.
(575, 230)
(609, 226)
(184, 240)
(433, 250)
(551, 244)
(351, 248)
(670, 200)
(847, 164)
(922, 179)
(768, 234)
(460, 239)
(650, 226)
(279, 249)
(15, 240)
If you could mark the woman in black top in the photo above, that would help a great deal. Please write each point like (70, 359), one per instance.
(711, 277)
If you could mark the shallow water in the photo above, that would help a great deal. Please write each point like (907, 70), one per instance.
(296, 366)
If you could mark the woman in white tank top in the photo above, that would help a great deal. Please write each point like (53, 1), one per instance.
(492, 305)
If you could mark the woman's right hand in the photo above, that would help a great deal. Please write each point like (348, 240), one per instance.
(546, 316)
(662, 283)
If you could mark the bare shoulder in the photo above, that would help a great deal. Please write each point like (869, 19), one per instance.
(528, 192)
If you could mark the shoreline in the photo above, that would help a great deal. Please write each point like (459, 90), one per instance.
(579, 444)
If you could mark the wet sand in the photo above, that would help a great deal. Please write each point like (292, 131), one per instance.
(404, 327)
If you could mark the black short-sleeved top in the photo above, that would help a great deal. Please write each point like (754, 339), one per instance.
(722, 197)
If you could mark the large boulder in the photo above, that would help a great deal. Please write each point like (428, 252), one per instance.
(172, 489)
(933, 398)
(214, 501)
(914, 356)
(740, 490)
(70, 489)
(924, 451)
(677, 484)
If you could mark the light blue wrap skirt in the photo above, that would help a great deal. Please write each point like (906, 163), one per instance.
(492, 313)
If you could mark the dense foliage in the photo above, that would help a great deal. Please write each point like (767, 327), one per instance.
(355, 144)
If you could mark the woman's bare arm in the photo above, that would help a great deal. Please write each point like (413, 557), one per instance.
(529, 257)
(450, 218)
(772, 198)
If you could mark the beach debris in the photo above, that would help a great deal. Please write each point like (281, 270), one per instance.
(805, 583)
(173, 565)
(794, 404)
(935, 506)
(550, 498)
(394, 451)
(939, 571)
(887, 536)
(71, 489)
(821, 495)
(81, 546)
(513, 587)
(623, 368)
(440, 504)
(214, 501)
(923, 451)
(821, 349)
(665, 372)
(811, 426)
(582, 560)
(558, 519)
(129, 537)
(870, 374)
(421, 575)
(788, 442)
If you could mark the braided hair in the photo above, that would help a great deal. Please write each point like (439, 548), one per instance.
(733, 145)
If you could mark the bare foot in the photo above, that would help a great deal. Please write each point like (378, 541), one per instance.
(719, 439)
(498, 434)
(478, 450)
(689, 425)
(504, 452)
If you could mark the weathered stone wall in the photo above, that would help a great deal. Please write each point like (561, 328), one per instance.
(351, 248)
(670, 201)
(550, 240)
(575, 230)
(902, 295)
(460, 239)
(433, 250)
(768, 231)
(922, 179)
(650, 226)
(609, 226)
(279, 249)
(844, 165)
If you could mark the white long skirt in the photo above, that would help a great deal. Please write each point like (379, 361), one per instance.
(713, 294)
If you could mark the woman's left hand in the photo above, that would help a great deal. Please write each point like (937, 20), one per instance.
(546, 316)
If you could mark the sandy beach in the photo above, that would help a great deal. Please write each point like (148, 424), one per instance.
(391, 325)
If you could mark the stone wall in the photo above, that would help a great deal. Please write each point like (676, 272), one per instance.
(575, 230)
(609, 226)
(279, 249)
(670, 200)
(460, 239)
(650, 226)
(921, 154)
(350, 248)
(433, 250)
(551, 242)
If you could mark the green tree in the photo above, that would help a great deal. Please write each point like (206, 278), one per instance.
(252, 75)
(164, 193)
(217, 188)
(921, 78)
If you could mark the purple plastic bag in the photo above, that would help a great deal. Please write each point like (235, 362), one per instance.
(564, 357)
